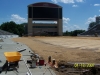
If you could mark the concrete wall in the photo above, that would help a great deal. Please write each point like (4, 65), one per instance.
(45, 29)
(87, 36)
(60, 29)
(36, 30)
(32, 30)
(9, 36)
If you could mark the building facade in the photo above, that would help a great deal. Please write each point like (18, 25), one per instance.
(44, 11)
(98, 19)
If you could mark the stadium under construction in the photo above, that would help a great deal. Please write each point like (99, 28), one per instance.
(93, 31)
(5, 34)
(44, 11)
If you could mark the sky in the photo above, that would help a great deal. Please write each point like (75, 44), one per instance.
(77, 14)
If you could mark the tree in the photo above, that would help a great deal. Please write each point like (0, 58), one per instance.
(66, 33)
(73, 33)
(21, 29)
(91, 25)
(25, 27)
(13, 27)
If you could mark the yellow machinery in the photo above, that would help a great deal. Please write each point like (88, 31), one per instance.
(12, 56)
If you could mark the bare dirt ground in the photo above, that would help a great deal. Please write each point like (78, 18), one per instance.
(71, 49)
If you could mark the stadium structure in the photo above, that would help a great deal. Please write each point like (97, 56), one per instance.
(44, 11)
(5, 34)
(94, 31)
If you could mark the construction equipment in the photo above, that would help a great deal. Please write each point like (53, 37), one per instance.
(21, 50)
(12, 59)
(12, 56)
(32, 62)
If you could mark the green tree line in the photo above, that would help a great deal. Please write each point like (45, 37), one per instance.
(12, 27)
(20, 30)
(73, 33)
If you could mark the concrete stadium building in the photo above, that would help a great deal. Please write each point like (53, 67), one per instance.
(93, 31)
(44, 11)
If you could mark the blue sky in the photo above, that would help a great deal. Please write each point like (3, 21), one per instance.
(77, 14)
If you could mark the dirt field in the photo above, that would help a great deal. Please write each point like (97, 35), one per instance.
(71, 49)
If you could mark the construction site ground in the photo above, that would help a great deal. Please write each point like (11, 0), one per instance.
(9, 46)
(69, 49)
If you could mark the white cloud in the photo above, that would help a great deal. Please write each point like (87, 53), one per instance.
(91, 19)
(71, 27)
(55, 1)
(76, 27)
(16, 18)
(75, 6)
(63, 1)
(79, 0)
(67, 26)
(66, 1)
(99, 10)
(66, 20)
(96, 4)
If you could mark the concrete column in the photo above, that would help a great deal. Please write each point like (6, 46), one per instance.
(30, 28)
(60, 27)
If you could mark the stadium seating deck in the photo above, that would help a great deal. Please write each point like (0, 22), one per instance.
(2, 32)
(93, 30)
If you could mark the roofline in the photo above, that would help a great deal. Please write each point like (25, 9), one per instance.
(44, 6)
